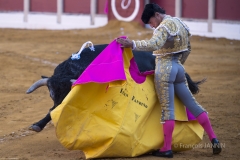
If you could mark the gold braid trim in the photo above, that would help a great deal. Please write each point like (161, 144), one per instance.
(162, 73)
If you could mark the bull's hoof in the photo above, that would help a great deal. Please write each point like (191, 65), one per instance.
(35, 128)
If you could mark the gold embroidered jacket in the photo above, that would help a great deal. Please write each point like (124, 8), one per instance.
(171, 36)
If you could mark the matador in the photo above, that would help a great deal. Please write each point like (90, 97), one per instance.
(170, 45)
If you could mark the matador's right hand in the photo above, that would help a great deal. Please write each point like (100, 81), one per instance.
(125, 43)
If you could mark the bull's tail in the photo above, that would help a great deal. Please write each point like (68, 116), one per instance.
(194, 85)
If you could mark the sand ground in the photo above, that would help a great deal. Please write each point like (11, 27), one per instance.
(25, 55)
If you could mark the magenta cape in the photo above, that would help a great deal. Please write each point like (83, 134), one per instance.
(106, 67)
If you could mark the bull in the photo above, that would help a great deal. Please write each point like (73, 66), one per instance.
(59, 84)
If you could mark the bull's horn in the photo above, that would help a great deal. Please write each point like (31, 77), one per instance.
(73, 81)
(39, 83)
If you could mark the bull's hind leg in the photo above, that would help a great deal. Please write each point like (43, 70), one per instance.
(38, 126)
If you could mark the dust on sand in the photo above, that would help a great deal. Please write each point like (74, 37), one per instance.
(25, 55)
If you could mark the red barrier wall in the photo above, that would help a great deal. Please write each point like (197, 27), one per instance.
(43, 6)
(101, 4)
(190, 8)
(227, 9)
(83, 6)
(77, 6)
(70, 6)
(11, 5)
(195, 9)
(167, 5)
(198, 9)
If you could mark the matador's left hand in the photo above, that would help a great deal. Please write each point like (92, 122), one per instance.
(126, 43)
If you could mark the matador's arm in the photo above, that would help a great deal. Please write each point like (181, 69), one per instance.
(156, 42)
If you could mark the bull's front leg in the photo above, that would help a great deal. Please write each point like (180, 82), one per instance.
(38, 126)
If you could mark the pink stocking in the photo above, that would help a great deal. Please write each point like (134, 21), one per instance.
(168, 128)
(205, 123)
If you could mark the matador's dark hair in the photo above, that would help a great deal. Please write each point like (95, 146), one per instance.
(150, 10)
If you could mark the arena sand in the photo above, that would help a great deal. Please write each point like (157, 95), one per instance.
(25, 55)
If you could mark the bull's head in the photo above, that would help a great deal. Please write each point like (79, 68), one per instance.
(57, 89)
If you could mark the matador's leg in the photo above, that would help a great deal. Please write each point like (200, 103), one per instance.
(164, 78)
(183, 92)
(164, 87)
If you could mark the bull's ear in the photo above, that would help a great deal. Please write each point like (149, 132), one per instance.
(73, 81)
(44, 77)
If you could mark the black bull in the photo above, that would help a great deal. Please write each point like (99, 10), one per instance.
(59, 84)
